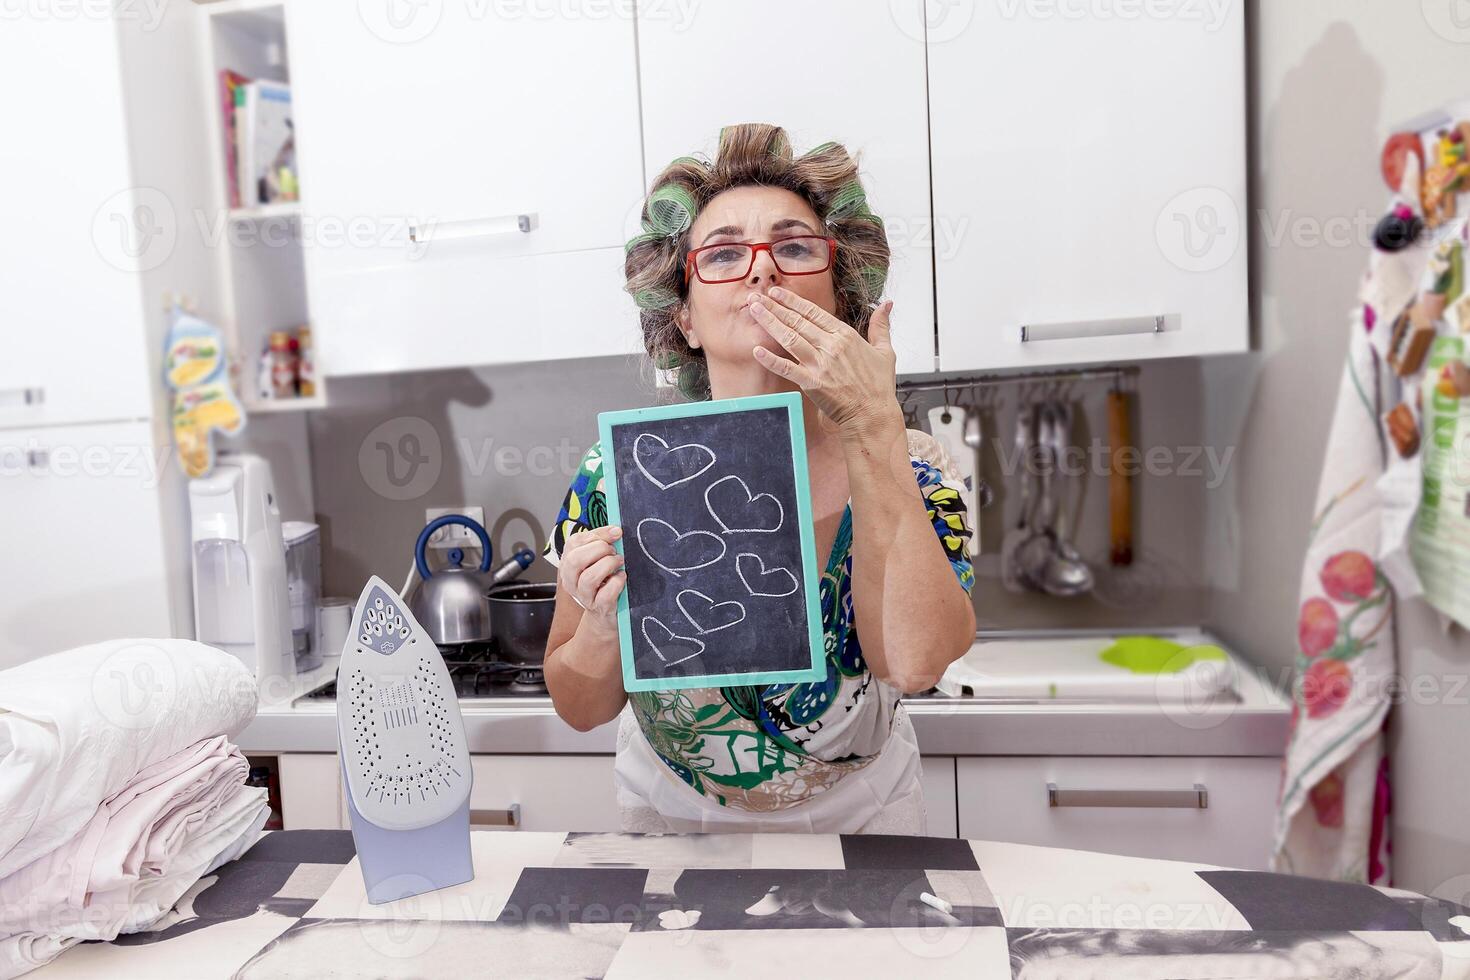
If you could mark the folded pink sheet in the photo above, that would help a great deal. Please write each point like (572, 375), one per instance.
(175, 821)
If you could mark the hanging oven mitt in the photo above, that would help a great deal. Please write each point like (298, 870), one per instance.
(194, 370)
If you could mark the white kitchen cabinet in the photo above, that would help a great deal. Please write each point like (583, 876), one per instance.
(422, 139)
(86, 556)
(77, 229)
(938, 778)
(107, 178)
(536, 792)
(1090, 168)
(1007, 799)
(852, 73)
(547, 792)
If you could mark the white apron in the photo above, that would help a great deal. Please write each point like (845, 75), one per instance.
(883, 797)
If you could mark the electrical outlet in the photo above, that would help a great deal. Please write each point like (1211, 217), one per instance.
(455, 535)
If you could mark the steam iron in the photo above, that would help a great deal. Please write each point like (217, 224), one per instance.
(404, 756)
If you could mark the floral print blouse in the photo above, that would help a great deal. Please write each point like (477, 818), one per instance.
(767, 748)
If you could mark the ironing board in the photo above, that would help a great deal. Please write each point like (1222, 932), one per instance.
(555, 904)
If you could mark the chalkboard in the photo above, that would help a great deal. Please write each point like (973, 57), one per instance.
(715, 507)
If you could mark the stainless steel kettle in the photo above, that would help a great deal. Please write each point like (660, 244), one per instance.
(450, 603)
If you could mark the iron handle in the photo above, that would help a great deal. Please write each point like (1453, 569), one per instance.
(1172, 799)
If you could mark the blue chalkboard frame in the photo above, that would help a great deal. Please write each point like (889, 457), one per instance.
(791, 402)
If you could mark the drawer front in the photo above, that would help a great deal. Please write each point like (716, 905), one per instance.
(1146, 807)
(530, 792)
(543, 792)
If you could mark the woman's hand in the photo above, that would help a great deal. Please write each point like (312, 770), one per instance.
(851, 380)
(591, 572)
(582, 666)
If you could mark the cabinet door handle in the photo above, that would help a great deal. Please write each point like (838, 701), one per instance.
(21, 396)
(509, 817)
(420, 233)
(1174, 799)
(1092, 328)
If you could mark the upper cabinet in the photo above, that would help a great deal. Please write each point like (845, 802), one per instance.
(1061, 183)
(1089, 181)
(824, 70)
(78, 229)
(466, 173)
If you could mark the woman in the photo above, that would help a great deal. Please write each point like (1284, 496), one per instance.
(758, 273)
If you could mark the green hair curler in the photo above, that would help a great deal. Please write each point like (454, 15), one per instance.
(849, 200)
(670, 211)
(655, 298)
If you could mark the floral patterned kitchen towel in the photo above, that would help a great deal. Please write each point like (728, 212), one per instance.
(1332, 815)
(1331, 818)
(1333, 804)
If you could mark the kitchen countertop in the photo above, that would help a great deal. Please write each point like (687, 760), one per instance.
(1251, 722)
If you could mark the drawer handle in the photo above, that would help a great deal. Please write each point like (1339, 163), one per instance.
(22, 396)
(1174, 799)
(509, 817)
(420, 234)
(1092, 328)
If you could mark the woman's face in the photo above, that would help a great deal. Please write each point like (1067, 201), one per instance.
(714, 318)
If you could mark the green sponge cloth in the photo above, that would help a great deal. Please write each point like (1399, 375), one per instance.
(1156, 655)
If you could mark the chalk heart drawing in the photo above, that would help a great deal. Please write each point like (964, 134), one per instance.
(670, 646)
(760, 580)
(705, 614)
(675, 552)
(733, 507)
(668, 466)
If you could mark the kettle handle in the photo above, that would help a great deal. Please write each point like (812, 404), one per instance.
(436, 524)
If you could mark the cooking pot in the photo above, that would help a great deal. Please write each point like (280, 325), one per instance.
(520, 620)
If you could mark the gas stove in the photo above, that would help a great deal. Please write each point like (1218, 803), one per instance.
(477, 672)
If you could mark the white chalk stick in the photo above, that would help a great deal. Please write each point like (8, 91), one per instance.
(936, 903)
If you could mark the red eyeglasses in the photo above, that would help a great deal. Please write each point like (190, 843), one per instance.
(799, 255)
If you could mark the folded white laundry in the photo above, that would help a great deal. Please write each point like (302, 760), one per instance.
(145, 846)
(77, 726)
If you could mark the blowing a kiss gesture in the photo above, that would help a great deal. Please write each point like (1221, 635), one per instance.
(850, 379)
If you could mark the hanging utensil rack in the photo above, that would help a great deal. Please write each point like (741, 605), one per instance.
(956, 387)
(1051, 384)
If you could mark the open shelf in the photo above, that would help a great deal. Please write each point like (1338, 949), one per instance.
(254, 406)
(249, 36)
(262, 265)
